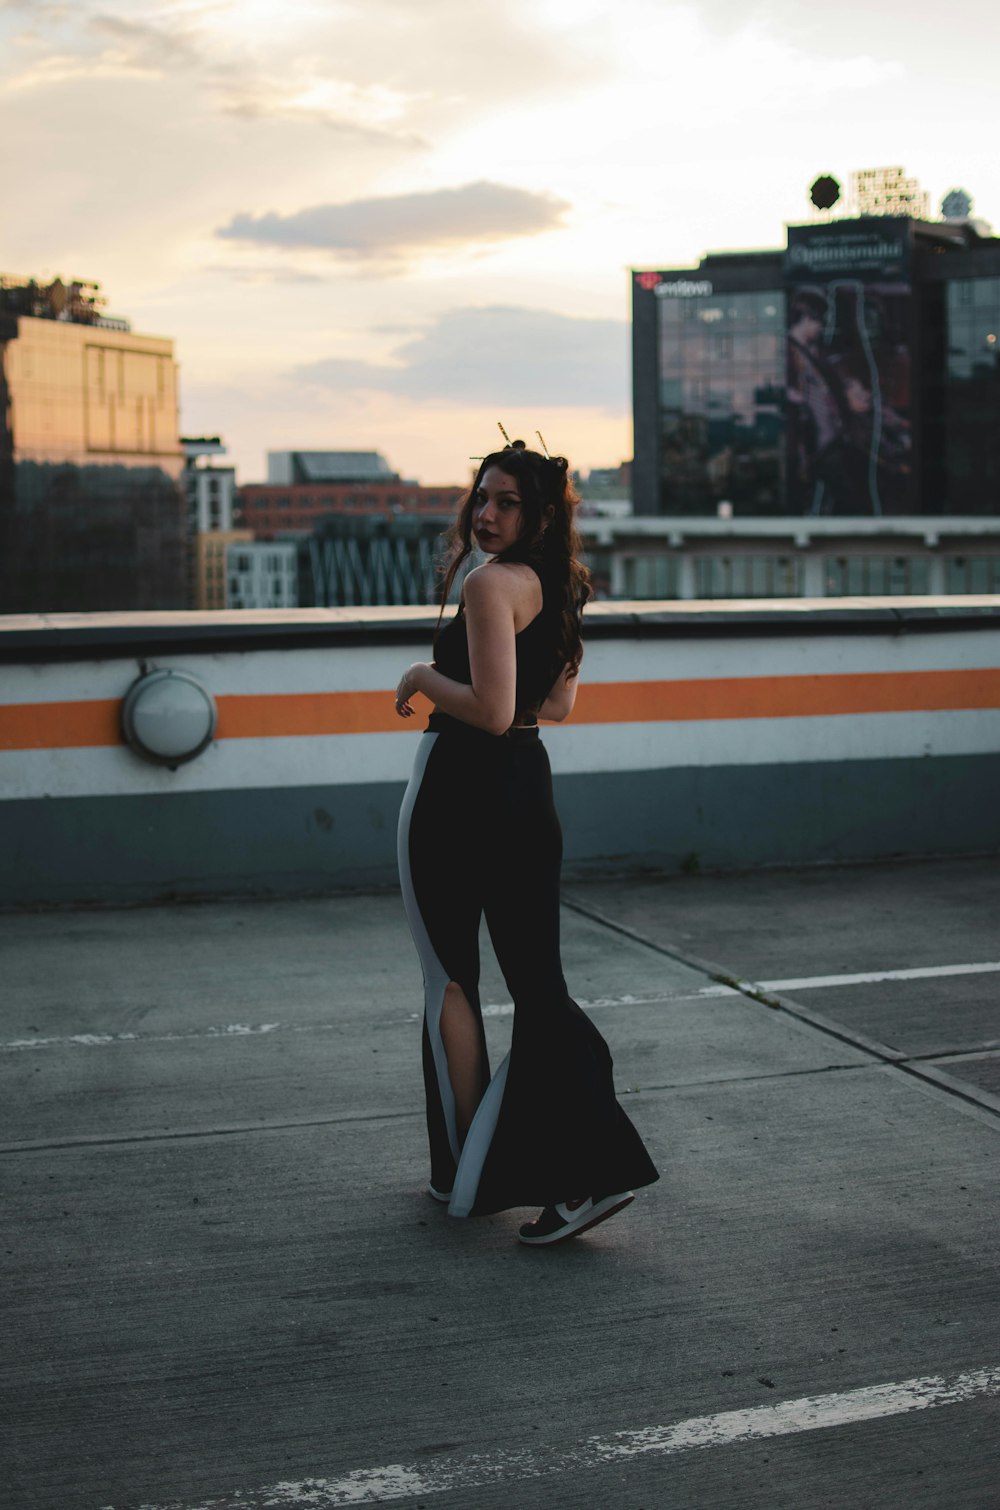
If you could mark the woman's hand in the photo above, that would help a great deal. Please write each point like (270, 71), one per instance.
(407, 687)
(559, 703)
(487, 703)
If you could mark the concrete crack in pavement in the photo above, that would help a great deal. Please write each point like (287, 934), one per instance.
(883, 1053)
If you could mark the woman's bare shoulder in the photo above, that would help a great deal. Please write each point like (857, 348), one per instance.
(518, 569)
(488, 584)
(506, 587)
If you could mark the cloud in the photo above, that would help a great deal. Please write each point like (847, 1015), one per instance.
(142, 43)
(64, 68)
(398, 224)
(102, 46)
(273, 273)
(234, 72)
(497, 355)
(366, 113)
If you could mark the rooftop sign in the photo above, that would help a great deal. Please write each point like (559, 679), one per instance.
(845, 249)
(665, 287)
(684, 288)
(888, 191)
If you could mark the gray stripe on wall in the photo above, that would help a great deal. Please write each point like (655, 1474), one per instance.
(296, 840)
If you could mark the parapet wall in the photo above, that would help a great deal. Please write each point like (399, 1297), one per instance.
(705, 736)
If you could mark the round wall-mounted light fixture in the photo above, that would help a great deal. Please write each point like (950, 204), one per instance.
(168, 717)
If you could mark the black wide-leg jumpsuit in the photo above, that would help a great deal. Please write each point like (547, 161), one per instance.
(478, 833)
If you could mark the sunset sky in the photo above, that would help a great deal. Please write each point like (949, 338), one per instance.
(385, 224)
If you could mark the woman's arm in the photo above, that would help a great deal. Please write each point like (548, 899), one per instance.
(559, 703)
(490, 701)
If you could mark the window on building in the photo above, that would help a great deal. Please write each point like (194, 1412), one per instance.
(721, 391)
(858, 576)
(651, 576)
(969, 470)
(748, 576)
(972, 574)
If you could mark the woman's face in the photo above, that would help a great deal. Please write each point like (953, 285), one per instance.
(496, 511)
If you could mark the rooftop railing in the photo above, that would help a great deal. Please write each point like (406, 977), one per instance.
(706, 735)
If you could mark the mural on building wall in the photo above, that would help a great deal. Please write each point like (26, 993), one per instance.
(849, 437)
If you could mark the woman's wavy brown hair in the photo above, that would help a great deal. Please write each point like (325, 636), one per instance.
(548, 541)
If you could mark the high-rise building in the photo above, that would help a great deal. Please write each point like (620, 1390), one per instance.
(362, 560)
(92, 513)
(262, 575)
(211, 558)
(210, 491)
(853, 373)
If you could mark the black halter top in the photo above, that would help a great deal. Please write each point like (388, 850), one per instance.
(539, 658)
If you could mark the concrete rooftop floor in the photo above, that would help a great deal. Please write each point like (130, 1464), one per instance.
(224, 1286)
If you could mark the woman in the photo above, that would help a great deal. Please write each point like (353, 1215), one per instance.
(478, 833)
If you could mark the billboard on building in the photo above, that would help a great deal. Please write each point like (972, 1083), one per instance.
(849, 430)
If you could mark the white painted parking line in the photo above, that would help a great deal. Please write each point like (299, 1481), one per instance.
(661, 999)
(921, 972)
(506, 1008)
(103, 1040)
(403, 1481)
(249, 1030)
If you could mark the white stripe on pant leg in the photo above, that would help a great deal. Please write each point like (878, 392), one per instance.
(436, 977)
(477, 1144)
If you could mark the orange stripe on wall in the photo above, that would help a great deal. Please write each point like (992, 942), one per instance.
(269, 715)
(60, 726)
(786, 696)
(68, 725)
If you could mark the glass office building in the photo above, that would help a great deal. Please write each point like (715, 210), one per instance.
(720, 400)
(970, 482)
(92, 513)
(855, 373)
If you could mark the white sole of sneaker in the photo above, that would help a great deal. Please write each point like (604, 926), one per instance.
(583, 1220)
(439, 1195)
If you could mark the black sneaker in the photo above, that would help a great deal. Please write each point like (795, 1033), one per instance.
(570, 1218)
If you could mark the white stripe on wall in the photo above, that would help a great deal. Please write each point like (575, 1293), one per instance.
(806, 655)
(771, 741)
(361, 668)
(352, 759)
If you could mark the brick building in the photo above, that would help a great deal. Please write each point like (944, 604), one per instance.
(305, 486)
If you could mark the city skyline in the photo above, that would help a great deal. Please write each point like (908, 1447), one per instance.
(387, 227)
